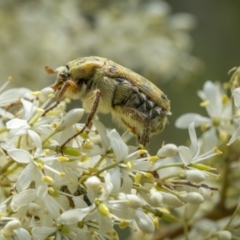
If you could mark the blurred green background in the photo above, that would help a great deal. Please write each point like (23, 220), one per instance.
(176, 44)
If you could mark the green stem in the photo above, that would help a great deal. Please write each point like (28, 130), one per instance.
(48, 137)
(6, 166)
(106, 168)
(232, 217)
(181, 165)
(3, 130)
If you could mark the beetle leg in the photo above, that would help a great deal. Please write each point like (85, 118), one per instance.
(59, 97)
(143, 139)
(89, 119)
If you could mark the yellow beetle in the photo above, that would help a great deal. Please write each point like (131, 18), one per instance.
(105, 86)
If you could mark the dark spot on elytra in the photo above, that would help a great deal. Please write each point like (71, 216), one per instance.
(164, 97)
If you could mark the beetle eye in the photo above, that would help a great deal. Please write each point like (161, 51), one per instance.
(64, 75)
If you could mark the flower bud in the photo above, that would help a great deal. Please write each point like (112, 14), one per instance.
(195, 176)
(93, 183)
(224, 235)
(156, 198)
(44, 94)
(192, 197)
(9, 228)
(171, 200)
(144, 222)
(70, 118)
(134, 201)
(168, 150)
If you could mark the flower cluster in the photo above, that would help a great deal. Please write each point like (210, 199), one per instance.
(161, 45)
(96, 181)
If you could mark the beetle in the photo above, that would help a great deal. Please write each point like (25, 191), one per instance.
(105, 86)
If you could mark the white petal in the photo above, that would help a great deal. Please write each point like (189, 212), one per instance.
(72, 117)
(214, 96)
(22, 233)
(13, 95)
(17, 123)
(6, 114)
(75, 215)
(126, 182)
(25, 178)
(43, 232)
(103, 134)
(185, 154)
(20, 155)
(115, 179)
(119, 147)
(144, 222)
(105, 224)
(209, 140)
(23, 198)
(194, 142)
(185, 120)
(52, 206)
(29, 109)
(235, 134)
(36, 139)
(236, 96)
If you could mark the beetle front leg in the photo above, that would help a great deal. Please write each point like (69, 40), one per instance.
(89, 119)
(143, 139)
(59, 97)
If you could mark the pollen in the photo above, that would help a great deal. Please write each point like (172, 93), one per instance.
(153, 158)
(148, 175)
(70, 180)
(123, 223)
(63, 159)
(142, 151)
(223, 136)
(137, 178)
(47, 179)
(203, 127)
(36, 93)
(225, 99)
(67, 100)
(129, 165)
(216, 150)
(62, 174)
(40, 166)
(10, 79)
(51, 95)
(204, 103)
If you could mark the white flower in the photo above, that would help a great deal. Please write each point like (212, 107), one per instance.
(224, 235)
(22, 126)
(192, 197)
(220, 115)
(236, 133)
(12, 96)
(195, 176)
(168, 150)
(192, 154)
